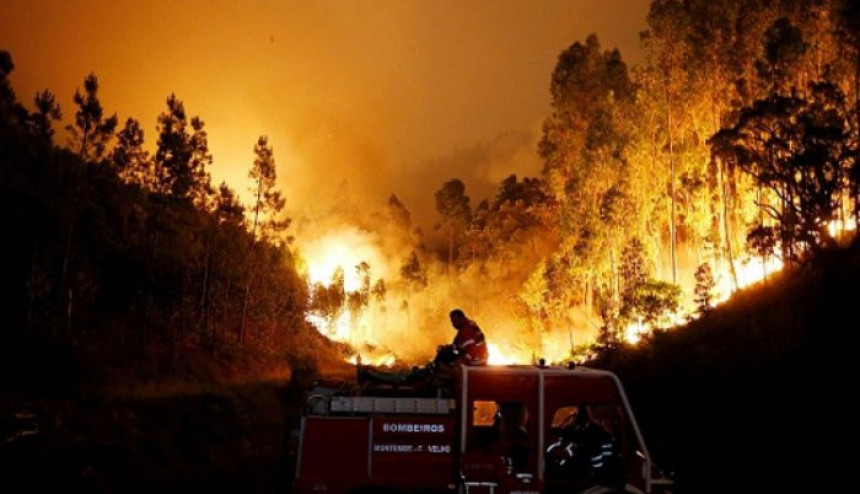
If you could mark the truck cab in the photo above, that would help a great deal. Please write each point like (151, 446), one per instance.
(496, 430)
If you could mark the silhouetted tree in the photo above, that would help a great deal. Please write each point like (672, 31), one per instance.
(783, 47)
(763, 241)
(452, 204)
(92, 131)
(412, 273)
(653, 300)
(398, 214)
(182, 155)
(132, 162)
(88, 138)
(47, 112)
(794, 148)
(268, 203)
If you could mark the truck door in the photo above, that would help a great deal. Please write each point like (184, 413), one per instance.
(499, 439)
(591, 438)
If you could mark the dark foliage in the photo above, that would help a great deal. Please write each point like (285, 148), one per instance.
(115, 252)
(735, 395)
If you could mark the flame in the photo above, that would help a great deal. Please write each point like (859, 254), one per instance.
(339, 329)
(344, 250)
(633, 333)
(372, 333)
(748, 272)
(502, 357)
(380, 360)
(840, 227)
(551, 349)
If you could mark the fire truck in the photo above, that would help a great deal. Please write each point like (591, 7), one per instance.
(487, 429)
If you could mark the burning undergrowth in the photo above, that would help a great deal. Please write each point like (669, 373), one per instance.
(384, 289)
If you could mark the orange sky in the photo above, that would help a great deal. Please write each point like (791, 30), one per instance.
(391, 96)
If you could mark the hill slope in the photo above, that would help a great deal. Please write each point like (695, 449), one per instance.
(733, 402)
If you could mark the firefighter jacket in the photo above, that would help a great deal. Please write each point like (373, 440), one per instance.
(470, 345)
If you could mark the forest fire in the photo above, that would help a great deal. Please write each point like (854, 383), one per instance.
(748, 272)
(337, 267)
(676, 200)
(351, 305)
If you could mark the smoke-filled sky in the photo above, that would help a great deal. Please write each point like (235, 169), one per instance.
(389, 96)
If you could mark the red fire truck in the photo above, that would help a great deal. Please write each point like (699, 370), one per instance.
(495, 429)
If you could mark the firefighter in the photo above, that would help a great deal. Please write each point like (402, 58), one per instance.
(469, 346)
(512, 423)
(585, 450)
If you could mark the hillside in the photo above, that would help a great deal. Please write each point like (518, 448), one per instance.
(728, 403)
(724, 402)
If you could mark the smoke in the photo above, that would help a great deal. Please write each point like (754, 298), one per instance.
(409, 320)
(481, 166)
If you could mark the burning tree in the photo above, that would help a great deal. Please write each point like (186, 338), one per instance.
(794, 147)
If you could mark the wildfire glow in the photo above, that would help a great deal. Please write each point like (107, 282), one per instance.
(373, 334)
(749, 272)
(381, 360)
(634, 332)
(344, 249)
(501, 357)
(339, 329)
(837, 227)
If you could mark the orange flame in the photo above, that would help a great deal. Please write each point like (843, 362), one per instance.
(507, 343)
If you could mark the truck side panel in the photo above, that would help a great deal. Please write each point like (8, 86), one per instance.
(334, 454)
(413, 451)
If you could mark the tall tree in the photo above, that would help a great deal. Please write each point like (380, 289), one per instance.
(130, 159)
(268, 204)
(848, 32)
(794, 148)
(47, 112)
(412, 273)
(585, 148)
(398, 214)
(88, 138)
(182, 155)
(452, 204)
(92, 131)
(665, 40)
(783, 48)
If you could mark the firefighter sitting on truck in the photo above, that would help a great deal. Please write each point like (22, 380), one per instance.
(469, 346)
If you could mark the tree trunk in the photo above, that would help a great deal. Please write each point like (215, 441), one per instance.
(249, 268)
(76, 197)
(857, 144)
(450, 248)
(244, 309)
(726, 230)
(672, 243)
(760, 199)
(204, 294)
(148, 299)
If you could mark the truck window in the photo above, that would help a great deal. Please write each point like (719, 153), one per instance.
(484, 413)
(502, 429)
(606, 416)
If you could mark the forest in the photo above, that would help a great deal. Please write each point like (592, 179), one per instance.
(729, 153)
(731, 149)
(126, 253)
